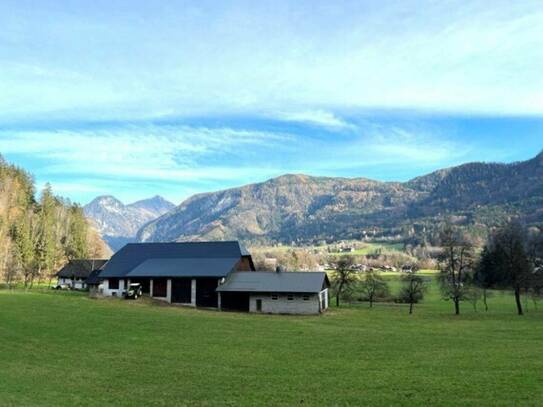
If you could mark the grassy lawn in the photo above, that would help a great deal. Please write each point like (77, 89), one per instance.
(61, 348)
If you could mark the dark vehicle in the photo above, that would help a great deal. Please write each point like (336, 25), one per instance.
(134, 291)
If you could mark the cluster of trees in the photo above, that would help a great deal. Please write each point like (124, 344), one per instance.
(391, 258)
(511, 259)
(37, 236)
(372, 285)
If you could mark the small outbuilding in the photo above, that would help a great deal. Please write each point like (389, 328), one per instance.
(75, 273)
(275, 292)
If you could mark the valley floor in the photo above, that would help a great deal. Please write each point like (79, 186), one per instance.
(66, 349)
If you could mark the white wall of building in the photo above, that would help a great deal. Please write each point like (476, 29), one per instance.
(123, 286)
(193, 292)
(271, 303)
(76, 284)
(110, 292)
(323, 298)
(286, 303)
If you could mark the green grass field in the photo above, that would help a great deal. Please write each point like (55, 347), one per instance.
(373, 248)
(61, 348)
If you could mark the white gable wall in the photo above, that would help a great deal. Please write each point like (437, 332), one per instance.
(323, 298)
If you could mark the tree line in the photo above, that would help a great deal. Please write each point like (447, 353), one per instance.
(511, 259)
(38, 235)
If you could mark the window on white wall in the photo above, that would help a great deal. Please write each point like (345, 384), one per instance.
(306, 297)
(113, 284)
(274, 297)
(290, 297)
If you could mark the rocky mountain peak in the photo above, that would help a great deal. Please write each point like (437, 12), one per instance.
(118, 223)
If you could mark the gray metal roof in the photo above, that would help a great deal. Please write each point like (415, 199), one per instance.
(93, 278)
(134, 254)
(268, 281)
(80, 268)
(191, 267)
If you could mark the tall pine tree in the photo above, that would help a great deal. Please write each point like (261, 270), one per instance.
(45, 233)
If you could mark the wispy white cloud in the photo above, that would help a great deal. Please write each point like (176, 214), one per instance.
(203, 153)
(317, 117)
(380, 151)
(263, 57)
(132, 162)
(147, 152)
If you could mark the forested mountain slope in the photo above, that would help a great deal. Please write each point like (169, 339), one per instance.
(38, 235)
(306, 209)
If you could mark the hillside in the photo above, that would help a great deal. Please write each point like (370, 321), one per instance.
(304, 208)
(38, 234)
(119, 223)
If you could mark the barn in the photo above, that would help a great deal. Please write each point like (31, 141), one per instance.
(212, 275)
(275, 292)
(74, 274)
(180, 273)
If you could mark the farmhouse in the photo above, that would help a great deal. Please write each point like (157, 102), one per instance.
(74, 274)
(276, 293)
(211, 274)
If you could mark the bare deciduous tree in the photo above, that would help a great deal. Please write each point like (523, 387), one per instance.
(373, 286)
(456, 265)
(344, 275)
(413, 289)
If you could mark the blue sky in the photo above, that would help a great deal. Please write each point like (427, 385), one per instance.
(173, 98)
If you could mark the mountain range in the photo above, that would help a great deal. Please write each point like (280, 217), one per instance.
(306, 209)
(119, 223)
(302, 208)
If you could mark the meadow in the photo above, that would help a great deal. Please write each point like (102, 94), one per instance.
(374, 248)
(60, 348)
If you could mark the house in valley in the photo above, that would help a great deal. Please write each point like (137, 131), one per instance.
(211, 274)
(74, 274)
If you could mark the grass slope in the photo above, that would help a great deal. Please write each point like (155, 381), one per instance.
(67, 349)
